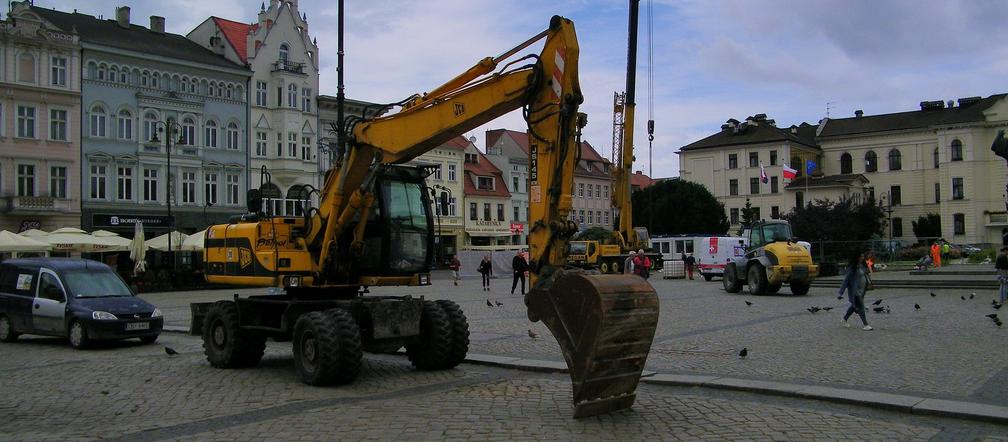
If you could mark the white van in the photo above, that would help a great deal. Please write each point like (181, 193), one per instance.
(713, 252)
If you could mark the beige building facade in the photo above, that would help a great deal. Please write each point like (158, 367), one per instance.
(592, 200)
(448, 172)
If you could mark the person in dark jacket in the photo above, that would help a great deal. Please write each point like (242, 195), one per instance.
(854, 283)
(520, 267)
(486, 269)
(1001, 265)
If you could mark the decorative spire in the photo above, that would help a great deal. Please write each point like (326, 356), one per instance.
(304, 16)
(262, 7)
(315, 41)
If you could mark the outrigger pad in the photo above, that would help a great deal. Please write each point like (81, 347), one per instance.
(605, 325)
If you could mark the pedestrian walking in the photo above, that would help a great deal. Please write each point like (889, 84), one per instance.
(455, 266)
(854, 283)
(638, 263)
(486, 269)
(1001, 265)
(870, 262)
(936, 254)
(690, 264)
(946, 248)
(645, 264)
(519, 266)
(628, 264)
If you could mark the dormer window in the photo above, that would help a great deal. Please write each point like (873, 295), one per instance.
(284, 51)
(485, 183)
(471, 158)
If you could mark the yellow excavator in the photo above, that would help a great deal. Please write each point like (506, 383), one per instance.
(373, 227)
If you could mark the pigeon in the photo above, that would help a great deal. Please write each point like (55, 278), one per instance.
(916, 306)
(877, 302)
(997, 322)
(748, 303)
(839, 297)
(170, 351)
(533, 334)
(933, 295)
(972, 295)
(499, 304)
(997, 306)
(878, 309)
(104, 392)
(813, 310)
(993, 301)
(745, 352)
(962, 297)
(826, 309)
(489, 304)
(887, 310)
(992, 316)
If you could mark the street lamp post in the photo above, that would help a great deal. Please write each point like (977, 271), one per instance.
(169, 126)
(885, 203)
(441, 207)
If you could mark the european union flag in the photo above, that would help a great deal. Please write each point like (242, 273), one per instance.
(809, 167)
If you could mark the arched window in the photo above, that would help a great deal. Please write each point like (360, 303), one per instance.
(895, 162)
(192, 86)
(297, 200)
(125, 125)
(101, 71)
(846, 163)
(150, 126)
(213, 89)
(870, 161)
(284, 50)
(185, 84)
(232, 136)
(92, 70)
(113, 74)
(154, 80)
(936, 158)
(292, 98)
(145, 79)
(230, 91)
(210, 134)
(188, 131)
(98, 121)
(124, 76)
(956, 150)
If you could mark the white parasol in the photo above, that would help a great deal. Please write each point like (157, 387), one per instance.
(71, 239)
(13, 243)
(161, 242)
(34, 233)
(194, 242)
(138, 250)
(118, 243)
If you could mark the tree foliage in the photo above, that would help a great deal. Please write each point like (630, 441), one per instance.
(677, 207)
(749, 216)
(840, 226)
(927, 226)
(600, 234)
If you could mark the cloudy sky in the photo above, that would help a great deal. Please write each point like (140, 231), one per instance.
(792, 60)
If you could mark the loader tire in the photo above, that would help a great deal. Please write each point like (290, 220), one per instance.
(432, 348)
(327, 347)
(730, 279)
(225, 344)
(756, 280)
(800, 288)
(459, 327)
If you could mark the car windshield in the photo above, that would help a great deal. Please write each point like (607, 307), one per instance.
(95, 284)
(578, 248)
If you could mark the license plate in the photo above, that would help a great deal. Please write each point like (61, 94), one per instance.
(137, 326)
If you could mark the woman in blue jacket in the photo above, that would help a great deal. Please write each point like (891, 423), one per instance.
(854, 283)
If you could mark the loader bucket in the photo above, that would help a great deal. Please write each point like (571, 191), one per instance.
(605, 325)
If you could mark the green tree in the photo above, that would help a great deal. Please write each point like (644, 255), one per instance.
(927, 226)
(749, 216)
(600, 234)
(676, 207)
(841, 226)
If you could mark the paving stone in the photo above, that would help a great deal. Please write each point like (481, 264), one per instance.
(943, 407)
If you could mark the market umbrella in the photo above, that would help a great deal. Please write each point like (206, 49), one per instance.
(161, 242)
(13, 243)
(118, 243)
(138, 250)
(34, 233)
(194, 242)
(71, 239)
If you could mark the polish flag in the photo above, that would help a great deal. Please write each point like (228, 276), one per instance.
(789, 173)
(762, 174)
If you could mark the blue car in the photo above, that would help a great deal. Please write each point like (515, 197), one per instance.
(79, 299)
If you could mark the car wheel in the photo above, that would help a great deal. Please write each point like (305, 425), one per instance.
(148, 339)
(7, 333)
(78, 335)
(757, 280)
(730, 280)
(707, 278)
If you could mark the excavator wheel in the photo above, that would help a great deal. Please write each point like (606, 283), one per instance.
(434, 347)
(327, 347)
(224, 343)
(459, 328)
(605, 325)
(604, 267)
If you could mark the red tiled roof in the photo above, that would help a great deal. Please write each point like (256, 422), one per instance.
(484, 168)
(459, 142)
(235, 33)
(520, 138)
(639, 180)
(589, 153)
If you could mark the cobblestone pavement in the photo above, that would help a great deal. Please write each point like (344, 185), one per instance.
(128, 391)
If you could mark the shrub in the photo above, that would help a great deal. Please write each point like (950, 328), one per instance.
(983, 255)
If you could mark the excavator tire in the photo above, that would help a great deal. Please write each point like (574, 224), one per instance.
(327, 348)
(225, 344)
(605, 325)
(604, 267)
(459, 328)
(432, 349)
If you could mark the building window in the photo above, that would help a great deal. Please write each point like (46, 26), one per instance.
(956, 150)
(306, 99)
(472, 211)
(188, 131)
(846, 163)
(895, 195)
(284, 50)
(733, 161)
(26, 68)
(581, 216)
(775, 212)
(124, 78)
(606, 213)
(451, 172)
(756, 213)
(897, 227)
(124, 183)
(150, 178)
(799, 199)
(189, 187)
(935, 158)
(292, 145)
(306, 153)
(591, 217)
(598, 191)
(210, 188)
(733, 187)
(125, 125)
(958, 224)
(754, 186)
(150, 126)
(500, 212)
(26, 180)
(26, 122)
(260, 144)
(957, 188)
(895, 162)
(798, 166)
(58, 182)
(57, 125)
(260, 93)
(98, 182)
(58, 73)
(451, 206)
(773, 157)
(516, 214)
(437, 171)
(292, 97)
(485, 183)
(734, 215)
(233, 142)
(753, 159)
(232, 189)
(210, 134)
(486, 212)
(937, 193)
(605, 191)
(870, 161)
(514, 183)
(773, 184)
(580, 190)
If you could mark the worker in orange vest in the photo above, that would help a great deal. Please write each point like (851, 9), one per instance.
(936, 254)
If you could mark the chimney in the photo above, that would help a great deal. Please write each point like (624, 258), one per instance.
(122, 16)
(859, 113)
(157, 24)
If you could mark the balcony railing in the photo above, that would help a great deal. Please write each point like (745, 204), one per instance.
(36, 204)
(288, 66)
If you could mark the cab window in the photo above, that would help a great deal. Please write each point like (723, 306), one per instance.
(49, 288)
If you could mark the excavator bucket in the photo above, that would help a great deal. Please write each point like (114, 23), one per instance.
(605, 325)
